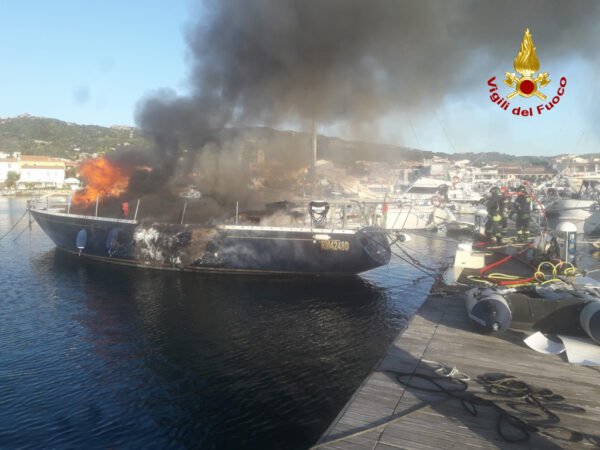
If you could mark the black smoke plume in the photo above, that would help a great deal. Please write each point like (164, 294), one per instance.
(278, 62)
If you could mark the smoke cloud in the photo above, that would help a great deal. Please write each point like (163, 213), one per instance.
(274, 62)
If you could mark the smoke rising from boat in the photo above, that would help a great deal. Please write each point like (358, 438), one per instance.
(261, 62)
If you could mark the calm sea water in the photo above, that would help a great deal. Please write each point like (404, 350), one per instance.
(97, 356)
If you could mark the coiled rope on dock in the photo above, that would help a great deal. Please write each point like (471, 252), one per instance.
(509, 396)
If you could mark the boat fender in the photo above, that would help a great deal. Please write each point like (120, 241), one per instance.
(81, 240)
(375, 244)
(488, 310)
(403, 237)
(589, 318)
(455, 180)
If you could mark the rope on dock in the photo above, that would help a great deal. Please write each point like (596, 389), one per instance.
(453, 384)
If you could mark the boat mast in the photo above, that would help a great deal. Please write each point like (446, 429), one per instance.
(314, 159)
(314, 145)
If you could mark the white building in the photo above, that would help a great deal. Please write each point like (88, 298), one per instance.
(36, 171)
(42, 176)
(8, 165)
(485, 174)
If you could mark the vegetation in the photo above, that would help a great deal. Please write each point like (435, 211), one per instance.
(12, 178)
(70, 172)
(50, 137)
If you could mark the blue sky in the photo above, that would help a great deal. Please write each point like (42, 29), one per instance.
(91, 62)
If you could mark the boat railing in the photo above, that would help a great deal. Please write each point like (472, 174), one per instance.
(51, 202)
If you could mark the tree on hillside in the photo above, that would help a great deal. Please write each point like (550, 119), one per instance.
(70, 172)
(12, 178)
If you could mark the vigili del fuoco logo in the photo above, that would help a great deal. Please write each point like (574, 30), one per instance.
(526, 64)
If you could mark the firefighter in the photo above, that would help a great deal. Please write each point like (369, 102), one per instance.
(506, 206)
(443, 192)
(494, 209)
(523, 210)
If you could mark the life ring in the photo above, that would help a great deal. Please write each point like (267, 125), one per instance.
(455, 179)
(436, 201)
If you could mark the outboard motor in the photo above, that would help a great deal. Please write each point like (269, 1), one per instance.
(488, 309)
(318, 210)
(589, 318)
(568, 245)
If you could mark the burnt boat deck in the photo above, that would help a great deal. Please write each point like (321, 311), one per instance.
(383, 414)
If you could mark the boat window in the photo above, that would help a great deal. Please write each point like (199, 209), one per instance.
(81, 239)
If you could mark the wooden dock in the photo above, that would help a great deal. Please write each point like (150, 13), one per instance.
(384, 415)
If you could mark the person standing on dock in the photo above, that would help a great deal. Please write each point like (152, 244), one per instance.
(523, 210)
(494, 209)
(443, 192)
(505, 210)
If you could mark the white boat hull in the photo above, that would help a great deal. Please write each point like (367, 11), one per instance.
(570, 210)
(416, 218)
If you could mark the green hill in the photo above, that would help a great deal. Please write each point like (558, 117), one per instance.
(41, 136)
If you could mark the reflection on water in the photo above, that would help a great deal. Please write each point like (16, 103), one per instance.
(102, 355)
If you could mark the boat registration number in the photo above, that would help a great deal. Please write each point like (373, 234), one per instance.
(335, 245)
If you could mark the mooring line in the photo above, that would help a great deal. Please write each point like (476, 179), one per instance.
(16, 223)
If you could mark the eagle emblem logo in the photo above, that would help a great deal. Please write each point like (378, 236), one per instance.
(526, 63)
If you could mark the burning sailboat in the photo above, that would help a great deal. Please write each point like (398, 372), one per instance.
(314, 248)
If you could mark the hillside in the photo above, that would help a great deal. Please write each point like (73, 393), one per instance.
(41, 136)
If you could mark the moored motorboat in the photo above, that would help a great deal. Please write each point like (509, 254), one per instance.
(575, 211)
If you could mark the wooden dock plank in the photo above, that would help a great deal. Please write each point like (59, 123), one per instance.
(384, 415)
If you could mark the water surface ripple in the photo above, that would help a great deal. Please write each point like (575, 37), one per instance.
(97, 356)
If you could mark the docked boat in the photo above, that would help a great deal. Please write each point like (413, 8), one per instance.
(575, 211)
(591, 226)
(415, 216)
(456, 195)
(223, 248)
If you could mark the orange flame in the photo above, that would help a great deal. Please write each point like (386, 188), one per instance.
(103, 178)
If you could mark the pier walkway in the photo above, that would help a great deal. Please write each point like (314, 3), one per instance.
(384, 415)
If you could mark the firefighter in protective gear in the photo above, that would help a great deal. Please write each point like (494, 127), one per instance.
(494, 209)
(506, 205)
(443, 192)
(523, 210)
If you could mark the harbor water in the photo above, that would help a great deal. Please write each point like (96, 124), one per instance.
(103, 356)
